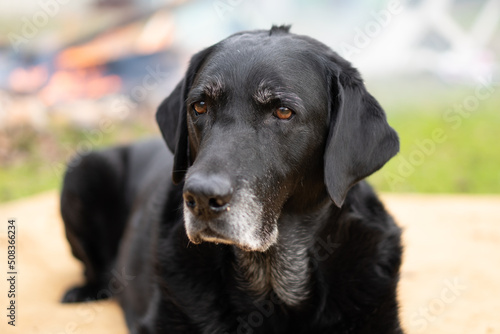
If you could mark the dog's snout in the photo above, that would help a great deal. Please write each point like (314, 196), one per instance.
(207, 196)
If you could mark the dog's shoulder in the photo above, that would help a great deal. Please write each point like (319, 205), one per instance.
(364, 204)
(364, 247)
(367, 229)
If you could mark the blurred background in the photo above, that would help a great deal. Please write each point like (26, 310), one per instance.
(79, 75)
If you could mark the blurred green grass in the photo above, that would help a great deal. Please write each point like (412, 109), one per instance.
(40, 156)
(467, 161)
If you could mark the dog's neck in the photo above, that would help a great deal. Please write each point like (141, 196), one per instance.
(286, 267)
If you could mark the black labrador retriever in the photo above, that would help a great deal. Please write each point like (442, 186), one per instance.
(265, 226)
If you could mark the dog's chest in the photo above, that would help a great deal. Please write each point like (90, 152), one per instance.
(283, 270)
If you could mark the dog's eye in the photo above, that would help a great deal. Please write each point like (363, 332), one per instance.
(200, 107)
(283, 113)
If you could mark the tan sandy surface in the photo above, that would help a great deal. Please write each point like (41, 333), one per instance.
(450, 277)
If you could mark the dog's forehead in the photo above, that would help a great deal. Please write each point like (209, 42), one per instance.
(251, 60)
(279, 52)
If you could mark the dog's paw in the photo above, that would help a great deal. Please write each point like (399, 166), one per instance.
(83, 294)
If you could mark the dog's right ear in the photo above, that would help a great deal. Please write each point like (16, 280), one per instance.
(171, 117)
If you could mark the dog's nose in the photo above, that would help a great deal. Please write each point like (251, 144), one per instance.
(207, 196)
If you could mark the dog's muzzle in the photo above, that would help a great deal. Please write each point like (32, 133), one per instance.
(217, 211)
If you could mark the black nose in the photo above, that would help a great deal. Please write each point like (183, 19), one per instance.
(207, 196)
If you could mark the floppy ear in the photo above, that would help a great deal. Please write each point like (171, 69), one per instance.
(360, 140)
(171, 117)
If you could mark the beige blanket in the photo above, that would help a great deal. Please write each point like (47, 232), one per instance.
(450, 278)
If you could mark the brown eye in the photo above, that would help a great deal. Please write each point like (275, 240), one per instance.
(200, 107)
(283, 113)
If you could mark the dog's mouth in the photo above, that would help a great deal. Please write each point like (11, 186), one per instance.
(209, 235)
(212, 235)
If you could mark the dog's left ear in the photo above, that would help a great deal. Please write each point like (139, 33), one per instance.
(171, 117)
(360, 140)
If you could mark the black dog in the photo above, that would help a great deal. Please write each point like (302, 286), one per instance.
(265, 228)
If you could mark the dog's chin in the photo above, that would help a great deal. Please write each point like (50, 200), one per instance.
(209, 235)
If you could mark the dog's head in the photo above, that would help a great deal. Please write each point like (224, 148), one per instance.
(267, 122)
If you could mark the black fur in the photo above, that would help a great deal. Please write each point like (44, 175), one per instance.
(265, 227)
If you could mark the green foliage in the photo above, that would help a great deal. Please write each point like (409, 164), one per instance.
(465, 159)
(37, 159)
(24, 180)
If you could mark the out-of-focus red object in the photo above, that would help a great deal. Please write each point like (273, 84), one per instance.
(27, 80)
(68, 85)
